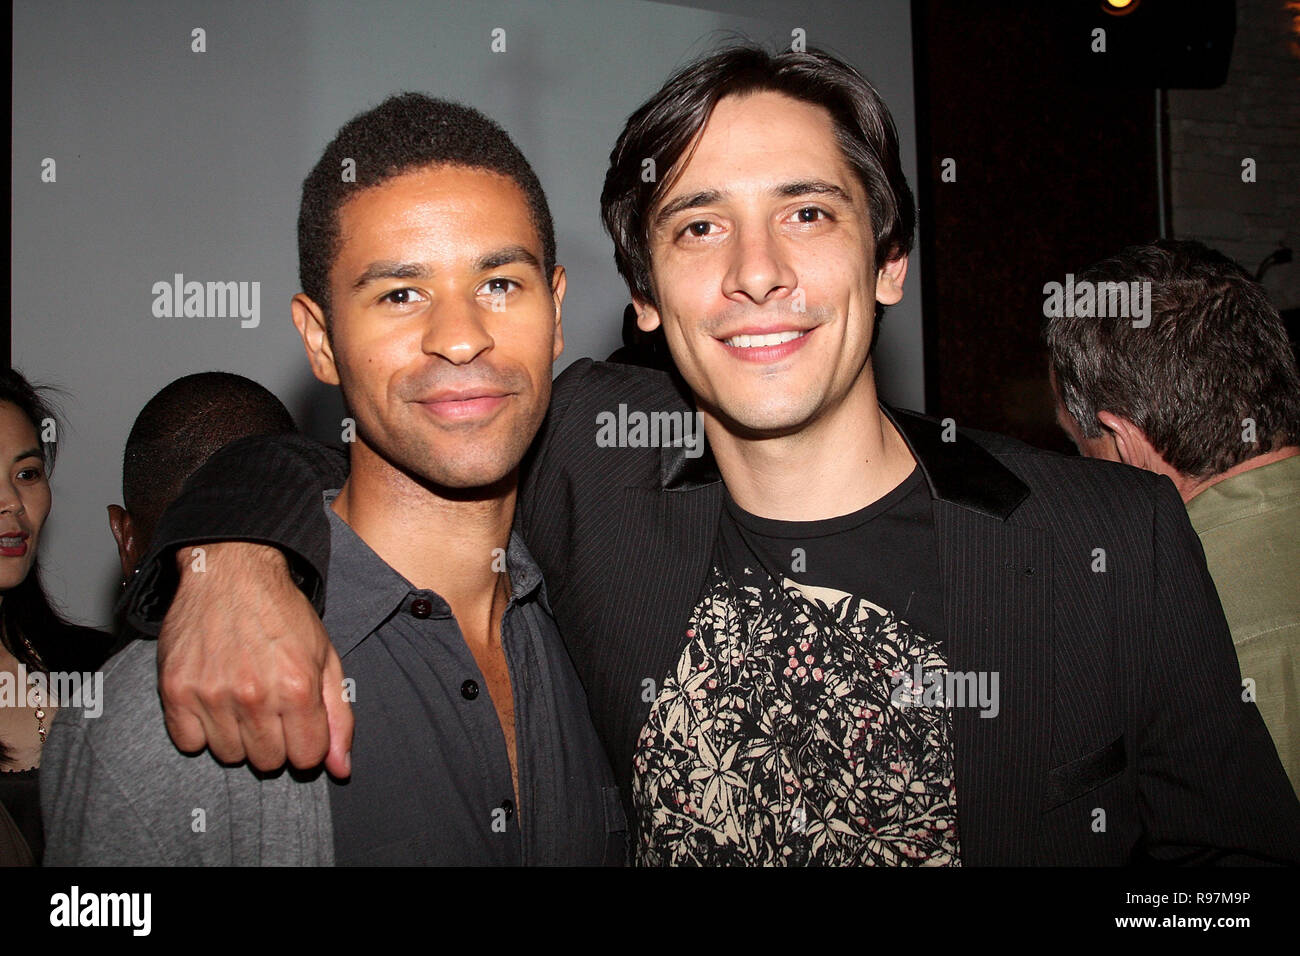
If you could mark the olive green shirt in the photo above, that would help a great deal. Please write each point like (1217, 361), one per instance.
(1249, 526)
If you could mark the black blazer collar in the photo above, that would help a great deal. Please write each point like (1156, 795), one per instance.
(959, 471)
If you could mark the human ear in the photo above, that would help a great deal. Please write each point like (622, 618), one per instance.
(309, 318)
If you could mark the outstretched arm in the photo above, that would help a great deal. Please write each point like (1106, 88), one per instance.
(233, 587)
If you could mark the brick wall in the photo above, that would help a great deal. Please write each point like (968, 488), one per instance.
(1256, 115)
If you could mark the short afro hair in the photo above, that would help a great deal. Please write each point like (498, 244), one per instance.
(404, 133)
(181, 427)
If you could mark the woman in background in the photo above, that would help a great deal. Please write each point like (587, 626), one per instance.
(34, 638)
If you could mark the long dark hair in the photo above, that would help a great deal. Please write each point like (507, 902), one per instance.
(31, 628)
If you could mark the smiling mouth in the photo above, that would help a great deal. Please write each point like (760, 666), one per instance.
(464, 408)
(13, 545)
(763, 341)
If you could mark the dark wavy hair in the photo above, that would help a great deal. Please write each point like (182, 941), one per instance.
(666, 126)
(31, 628)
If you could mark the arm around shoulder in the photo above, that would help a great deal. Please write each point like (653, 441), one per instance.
(265, 490)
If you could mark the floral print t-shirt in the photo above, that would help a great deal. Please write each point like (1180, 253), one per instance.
(791, 732)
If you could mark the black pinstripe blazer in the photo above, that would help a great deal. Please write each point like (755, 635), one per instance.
(1121, 734)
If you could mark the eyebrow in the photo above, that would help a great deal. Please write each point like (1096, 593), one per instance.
(814, 187)
(29, 453)
(510, 255)
(692, 201)
(388, 269)
(707, 197)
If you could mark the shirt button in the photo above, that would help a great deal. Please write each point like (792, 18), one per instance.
(469, 690)
(509, 807)
(421, 608)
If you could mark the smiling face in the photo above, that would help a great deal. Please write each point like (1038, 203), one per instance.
(24, 496)
(763, 269)
(443, 326)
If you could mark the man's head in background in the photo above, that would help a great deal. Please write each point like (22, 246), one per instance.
(430, 291)
(1207, 390)
(176, 432)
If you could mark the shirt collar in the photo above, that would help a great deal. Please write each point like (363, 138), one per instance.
(1246, 494)
(363, 591)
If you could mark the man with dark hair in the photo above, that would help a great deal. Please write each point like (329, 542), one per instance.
(666, 128)
(844, 635)
(405, 132)
(432, 308)
(176, 432)
(1204, 390)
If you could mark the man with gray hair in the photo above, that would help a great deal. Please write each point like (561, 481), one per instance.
(1204, 390)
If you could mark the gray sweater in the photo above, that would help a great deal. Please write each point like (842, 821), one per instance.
(115, 791)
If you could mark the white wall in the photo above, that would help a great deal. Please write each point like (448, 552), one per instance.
(174, 161)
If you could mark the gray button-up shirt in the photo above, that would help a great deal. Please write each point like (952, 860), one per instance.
(431, 779)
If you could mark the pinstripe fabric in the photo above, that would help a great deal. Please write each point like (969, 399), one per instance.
(1114, 684)
(1121, 735)
(225, 502)
(996, 572)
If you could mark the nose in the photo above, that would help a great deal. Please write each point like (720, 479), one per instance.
(10, 502)
(456, 330)
(758, 270)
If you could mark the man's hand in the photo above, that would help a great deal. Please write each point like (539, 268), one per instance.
(245, 666)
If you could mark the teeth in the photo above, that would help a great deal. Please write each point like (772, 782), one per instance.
(758, 341)
(10, 542)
